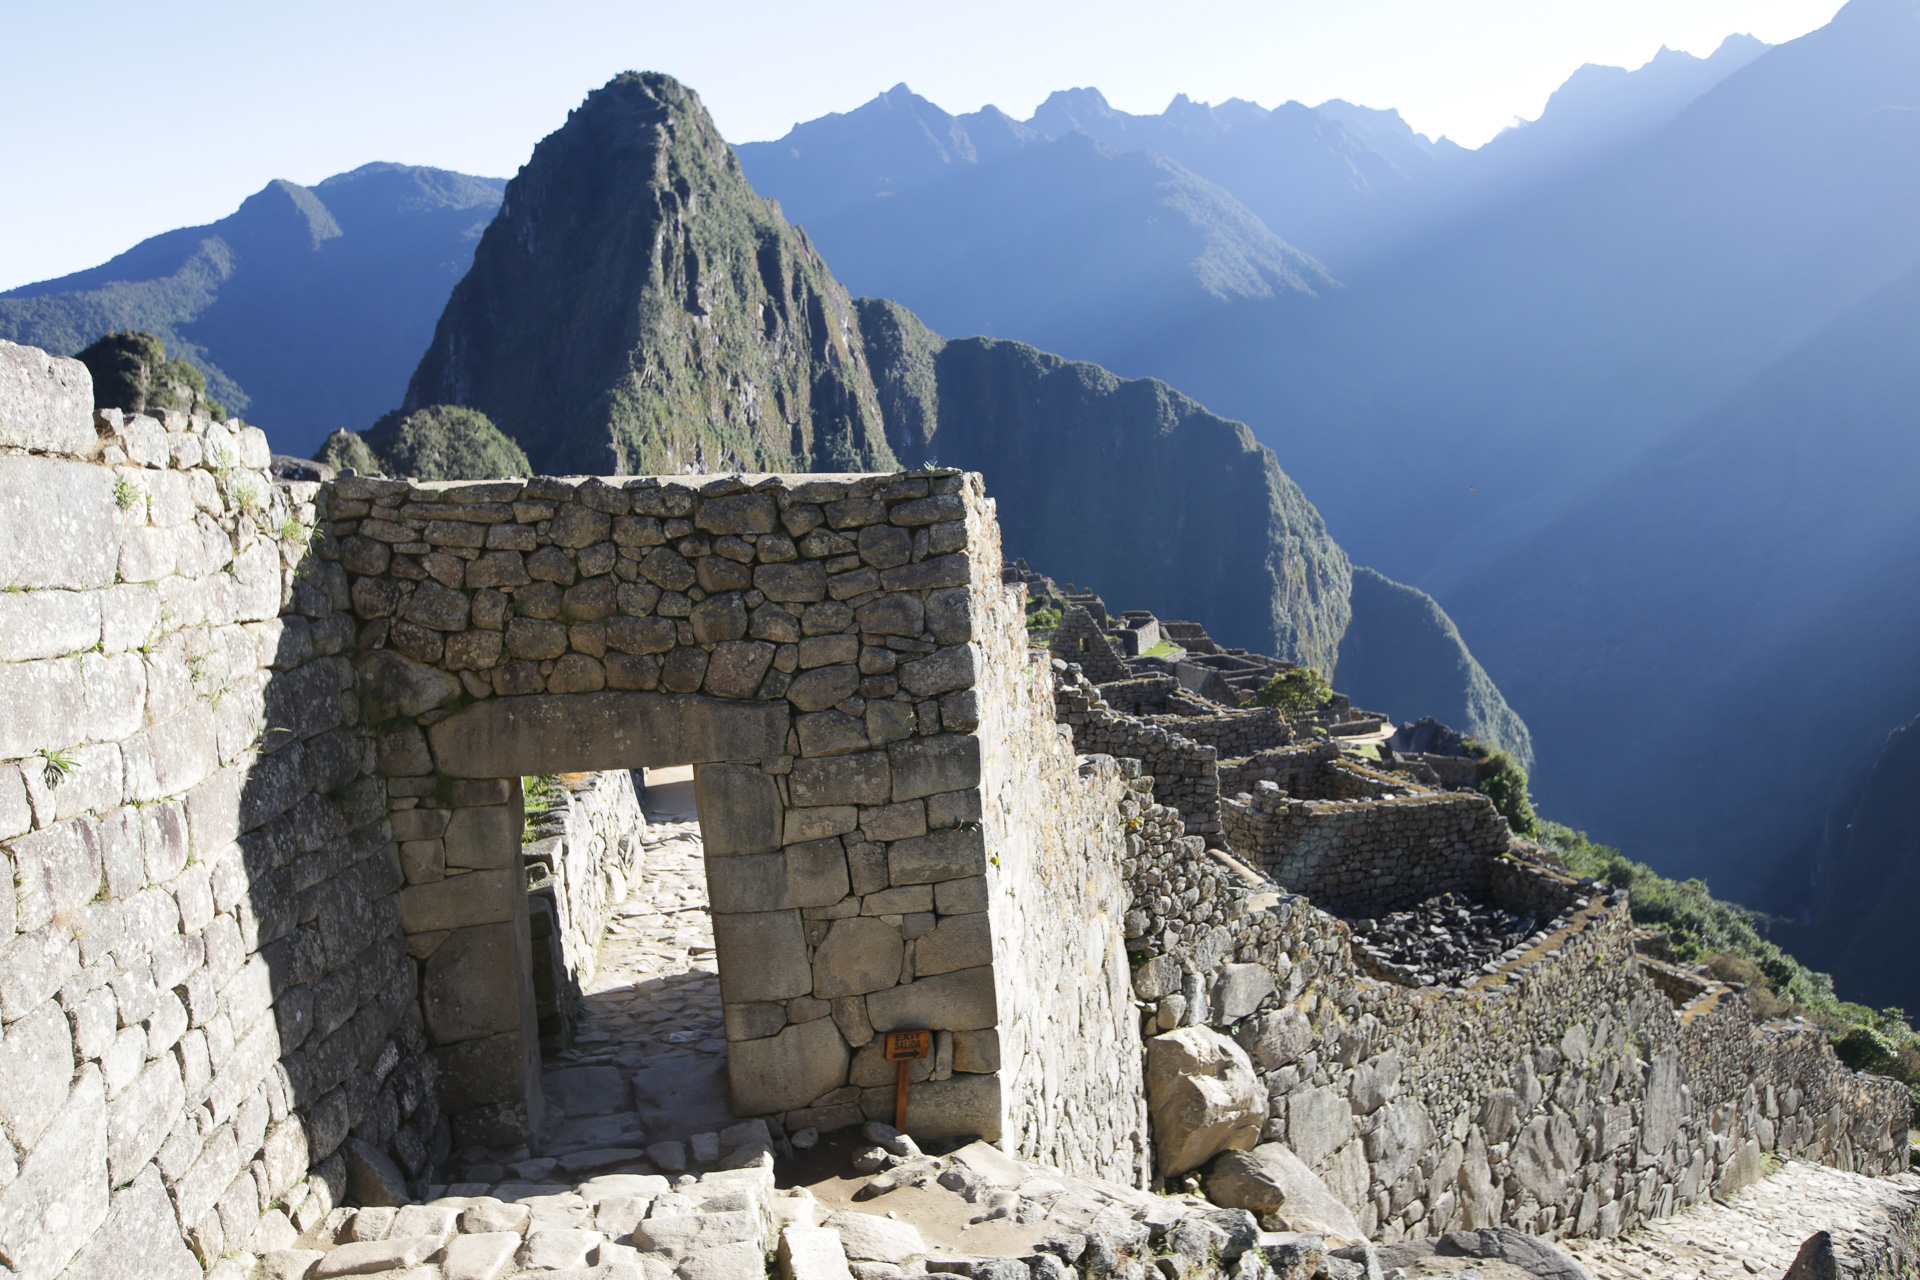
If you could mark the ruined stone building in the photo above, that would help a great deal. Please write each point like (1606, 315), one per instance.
(271, 948)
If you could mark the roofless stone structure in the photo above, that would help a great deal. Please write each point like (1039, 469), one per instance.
(260, 756)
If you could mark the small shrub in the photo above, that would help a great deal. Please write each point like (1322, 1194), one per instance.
(126, 494)
(1297, 692)
(1505, 784)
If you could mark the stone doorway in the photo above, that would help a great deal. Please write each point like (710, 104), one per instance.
(646, 1061)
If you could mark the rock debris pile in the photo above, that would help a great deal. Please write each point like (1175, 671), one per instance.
(1445, 941)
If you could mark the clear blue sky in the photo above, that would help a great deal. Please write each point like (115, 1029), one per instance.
(127, 119)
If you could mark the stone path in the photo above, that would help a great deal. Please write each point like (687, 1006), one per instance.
(1762, 1228)
(648, 1062)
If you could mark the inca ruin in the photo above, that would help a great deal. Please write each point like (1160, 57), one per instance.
(297, 981)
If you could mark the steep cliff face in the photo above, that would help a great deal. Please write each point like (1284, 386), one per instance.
(1402, 654)
(1125, 485)
(636, 307)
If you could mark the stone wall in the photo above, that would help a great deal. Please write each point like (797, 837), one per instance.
(1185, 774)
(1057, 830)
(584, 859)
(1366, 856)
(809, 645)
(206, 999)
(1560, 1091)
(1233, 734)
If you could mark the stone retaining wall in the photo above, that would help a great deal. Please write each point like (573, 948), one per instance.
(1367, 856)
(1232, 735)
(580, 868)
(205, 993)
(1562, 1092)
(1185, 774)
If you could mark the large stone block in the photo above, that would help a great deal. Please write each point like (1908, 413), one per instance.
(59, 524)
(140, 1239)
(391, 685)
(943, 855)
(477, 1073)
(482, 837)
(469, 984)
(859, 954)
(763, 956)
(139, 1119)
(479, 897)
(56, 870)
(36, 1063)
(1202, 1095)
(960, 1106)
(47, 624)
(60, 1196)
(42, 704)
(544, 733)
(863, 778)
(941, 671)
(960, 1001)
(1273, 1183)
(958, 942)
(788, 1070)
(813, 874)
(739, 809)
(46, 401)
(928, 766)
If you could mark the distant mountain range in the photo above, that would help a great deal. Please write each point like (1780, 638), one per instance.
(1570, 383)
(1629, 389)
(307, 307)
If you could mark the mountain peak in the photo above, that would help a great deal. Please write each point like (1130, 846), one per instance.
(630, 257)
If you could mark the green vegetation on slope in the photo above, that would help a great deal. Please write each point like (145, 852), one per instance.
(1506, 785)
(439, 442)
(1402, 654)
(1121, 484)
(307, 306)
(1729, 940)
(636, 307)
(132, 372)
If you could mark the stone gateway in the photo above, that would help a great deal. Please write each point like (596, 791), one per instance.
(268, 949)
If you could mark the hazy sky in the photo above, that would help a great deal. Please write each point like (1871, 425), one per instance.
(127, 119)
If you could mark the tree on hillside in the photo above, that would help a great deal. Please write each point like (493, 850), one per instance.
(1300, 691)
(439, 442)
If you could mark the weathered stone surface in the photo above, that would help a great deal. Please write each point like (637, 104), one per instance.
(763, 956)
(1203, 1098)
(480, 1256)
(59, 1197)
(46, 401)
(859, 955)
(139, 1119)
(739, 808)
(941, 671)
(467, 985)
(480, 897)
(366, 1257)
(737, 667)
(1240, 989)
(59, 524)
(392, 685)
(867, 1237)
(927, 766)
(959, 1001)
(863, 778)
(957, 942)
(140, 1239)
(683, 1235)
(943, 855)
(823, 687)
(36, 1064)
(1319, 1122)
(788, 1070)
(812, 1253)
(1531, 1254)
(542, 733)
(372, 1176)
(1272, 1182)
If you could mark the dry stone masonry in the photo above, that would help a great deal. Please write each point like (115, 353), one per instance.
(270, 951)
